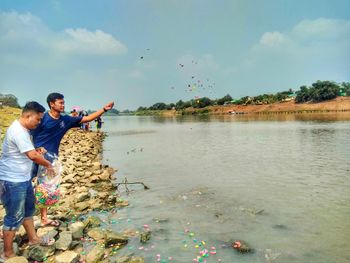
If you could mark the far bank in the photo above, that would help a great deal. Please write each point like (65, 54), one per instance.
(339, 104)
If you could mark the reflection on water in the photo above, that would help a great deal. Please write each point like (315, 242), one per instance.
(280, 182)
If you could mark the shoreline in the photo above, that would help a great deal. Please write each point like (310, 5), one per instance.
(86, 186)
(339, 104)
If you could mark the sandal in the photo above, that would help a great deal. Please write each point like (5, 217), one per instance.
(44, 241)
(3, 258)
(55, 223)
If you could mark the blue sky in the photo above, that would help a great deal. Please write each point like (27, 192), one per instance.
(91, 50)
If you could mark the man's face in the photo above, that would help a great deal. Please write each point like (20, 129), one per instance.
(33, 119)
(58, 105)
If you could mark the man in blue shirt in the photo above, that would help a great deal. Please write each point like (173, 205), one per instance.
(52, 129)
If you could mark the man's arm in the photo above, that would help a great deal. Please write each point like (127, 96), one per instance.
(98, 113)
(38, 158)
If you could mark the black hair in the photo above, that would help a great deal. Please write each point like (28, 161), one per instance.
(52, 97)
(34, 107)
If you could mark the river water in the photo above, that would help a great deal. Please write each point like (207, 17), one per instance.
(278, 182)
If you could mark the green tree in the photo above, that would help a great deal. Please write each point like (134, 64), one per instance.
(158, 106)
(201, 103)
(9, 100)
(224, 99)
(346, 88)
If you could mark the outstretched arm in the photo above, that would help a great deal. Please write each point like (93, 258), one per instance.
(98, 113)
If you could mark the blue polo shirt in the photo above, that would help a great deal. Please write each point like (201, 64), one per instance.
(50, 131)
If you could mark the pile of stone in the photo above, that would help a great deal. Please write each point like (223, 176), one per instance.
(86, 185)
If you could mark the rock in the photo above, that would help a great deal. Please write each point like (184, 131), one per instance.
(64, 241)
(104, 195)
(124, 259)
(49, 231)
(77, 229)
(84, 159)
(95, 255)
(67, 185)
(97, 234)
(105, 176)
(88, 174)
(122, 204)
(17, 260)
(40, 253)
(94, 179)
(82, 206)
(113, 238)
(145, 236)
(241, 247)
(97, 172)
(75, 245)
(63, 227)
(136, 260)
(111, 199)
(83, 196)
(69, 179)
(96, 166)
(92, 221)
(21, 231)
(67, 257)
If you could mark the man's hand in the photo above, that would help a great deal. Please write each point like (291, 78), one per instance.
(41, 150)
(50, 171)
(109, 106)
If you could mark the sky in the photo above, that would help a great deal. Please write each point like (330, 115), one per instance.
(137, 53)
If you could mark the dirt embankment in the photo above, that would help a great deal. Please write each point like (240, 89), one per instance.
(339, 104)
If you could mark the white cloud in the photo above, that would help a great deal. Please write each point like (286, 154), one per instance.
(310, 33)
(321, 29)
(20, 31)
(310, 50)
(82, 41)
(15, 27)
(272, 39)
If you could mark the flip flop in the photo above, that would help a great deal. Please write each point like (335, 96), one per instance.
(45, 241)
(3, 258)
(51, 223)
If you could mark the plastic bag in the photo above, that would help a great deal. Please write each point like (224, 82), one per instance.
(47, 190)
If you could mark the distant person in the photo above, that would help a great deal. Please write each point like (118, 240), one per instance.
(83, 114)
(87, 125)
(52, 129)
(16, 190)
(98, 123)
(74, 113)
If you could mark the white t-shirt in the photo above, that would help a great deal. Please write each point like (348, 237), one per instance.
(15, 166)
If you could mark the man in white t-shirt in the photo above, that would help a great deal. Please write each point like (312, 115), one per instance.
(17, 195)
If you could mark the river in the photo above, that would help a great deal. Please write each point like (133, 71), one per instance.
(278, 182)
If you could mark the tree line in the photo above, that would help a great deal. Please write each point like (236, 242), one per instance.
(317, 92)
(9, 100)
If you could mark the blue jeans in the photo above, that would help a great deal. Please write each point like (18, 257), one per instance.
(18, 200)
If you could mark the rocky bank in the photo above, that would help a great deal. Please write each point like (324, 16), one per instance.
(87, 185)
